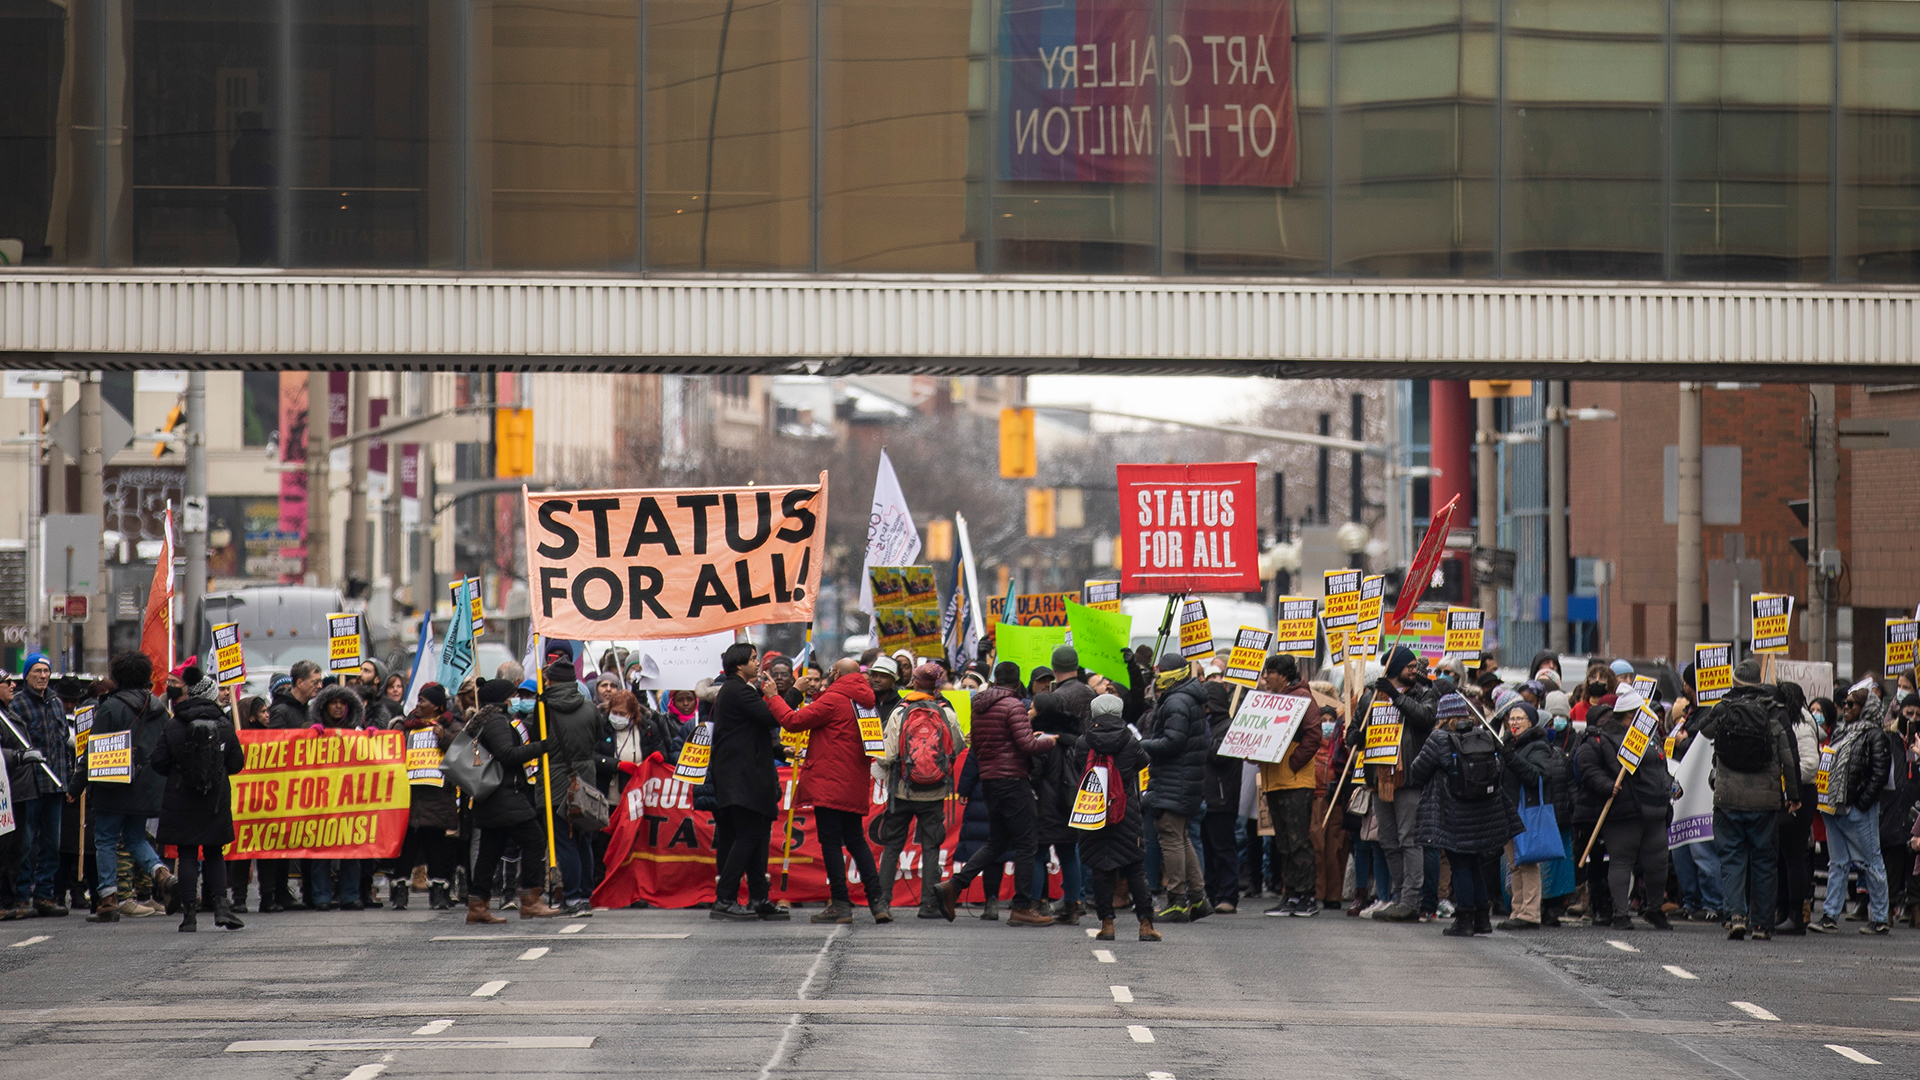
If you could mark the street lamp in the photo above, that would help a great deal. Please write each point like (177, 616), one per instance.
(1556, 420)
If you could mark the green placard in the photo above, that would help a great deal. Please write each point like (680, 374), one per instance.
(962, 702)
(1101, 638)
(1029, 646)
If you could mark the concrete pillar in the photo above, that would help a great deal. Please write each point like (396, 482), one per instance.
(193, 583)
(1450, 423)
(1823, 529)
(1558, 638)
(93, 493)
(319, 499)
(1688, 553)
(359, 538)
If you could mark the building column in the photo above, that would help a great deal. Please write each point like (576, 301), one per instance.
(1688, 553)
(1558, 638)
(319, 499)
(1450, 419)
(1822, 519)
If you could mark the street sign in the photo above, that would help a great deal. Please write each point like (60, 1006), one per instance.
(1495, 388)
(116, 432)
(70, 608)
(1494, 567)
(70, 553)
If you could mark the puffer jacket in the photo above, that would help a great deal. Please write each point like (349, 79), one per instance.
(836, 775)
(574, 728)
(317, 708)
(1647, 792)
(1178, 742)
(190, 818)
(1533, 760)
(285, 712)
(1448, 823)
(1003, 741)
(512, 802)
(432, 806)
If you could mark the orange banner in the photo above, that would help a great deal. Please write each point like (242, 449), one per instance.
(673, 562)
(340, 795)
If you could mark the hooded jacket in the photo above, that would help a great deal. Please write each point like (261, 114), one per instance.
(1178, 743)
(574, 729)
(743, 771)
(1003, 738)
(1117, 844)
(317, 708)
(140, 712)
(836, 775)
(1597, 761)
(1533, 765)
(190, 818)
(512, 802)
(1449, 823)
(1860, 760)
(380, 712)
(1760, 791)
(432, 807)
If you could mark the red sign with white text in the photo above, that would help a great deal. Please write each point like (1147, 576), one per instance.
(1189, 528)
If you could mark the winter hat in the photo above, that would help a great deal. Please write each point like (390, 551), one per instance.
(885, 666)
(1452, 706)
(497, 691)
(1397, 661)
(1065, 658)
(560, 671)
(1622, 669)
(201, 685)
(434, 693)
(926, 677)
(1107, 705)
(1534, 686)
(1504, 700)
(35, 660)
(281, 682)
(1533, 714)
(1558, 704)
(1747, 672)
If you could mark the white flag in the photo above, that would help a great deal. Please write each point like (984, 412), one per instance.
(891, 538)
(426, 663)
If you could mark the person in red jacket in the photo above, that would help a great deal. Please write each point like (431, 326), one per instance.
(836, 782)
(1003, 742)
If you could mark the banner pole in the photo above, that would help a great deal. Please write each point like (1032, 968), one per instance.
(546, 775)
(1166, 625)
(793, 783)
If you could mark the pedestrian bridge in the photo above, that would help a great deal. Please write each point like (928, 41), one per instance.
(957, 324)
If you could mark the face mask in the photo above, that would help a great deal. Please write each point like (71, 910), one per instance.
(620, 723)
(1326, 729)
(1559, 723)
(1598, 689)
(1901, 695)
(520, 706)
(1579, 727)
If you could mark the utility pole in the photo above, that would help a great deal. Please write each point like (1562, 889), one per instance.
(359, 539)
(1686, 600)
(56, 461)
(1356, 470)
(1557, 636)
(193, 517)
(1486, 489)
(319, 499)
(424, 593)
(1396, 543)
(93, 489)
(1822, 518)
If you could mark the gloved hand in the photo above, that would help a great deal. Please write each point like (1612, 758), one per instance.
(631, 768)
(33, 757)
(318, 729)
(656, 758)
(1385, 686)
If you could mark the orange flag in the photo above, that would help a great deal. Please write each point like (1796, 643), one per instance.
(156, 630)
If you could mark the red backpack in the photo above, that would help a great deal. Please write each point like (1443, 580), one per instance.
(926, 744)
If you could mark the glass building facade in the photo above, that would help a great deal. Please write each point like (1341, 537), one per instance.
(1687, 140)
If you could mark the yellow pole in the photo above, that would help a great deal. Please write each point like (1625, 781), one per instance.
(546, 769)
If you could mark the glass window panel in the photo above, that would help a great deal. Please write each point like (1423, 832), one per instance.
(894, 169)
(1246, 185)
(1880, 142)
(1585, 87)
(205, 155)
(1753, 92)
(357, 170)
(729, 134)
(1414, 150)
(555, 90)
(33, 36)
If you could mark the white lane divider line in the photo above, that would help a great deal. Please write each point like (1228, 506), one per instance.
(1140, 1033)
(1753, 1010)
(1679, 972)
(489, 989)
(535, 953)
(366, 1072)
(1121, 994)
(434, 1028)
(1103, 955)
(1851, 1054)
(34, 940)
(1093, 931)
(1621, 945)
(574, 929)
(1160, 1076)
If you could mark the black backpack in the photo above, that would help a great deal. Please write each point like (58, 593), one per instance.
(200, 766)
(1473, 774)
(1745, 741)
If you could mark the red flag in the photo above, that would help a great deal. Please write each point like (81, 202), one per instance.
(156, 630)
(1420, 575)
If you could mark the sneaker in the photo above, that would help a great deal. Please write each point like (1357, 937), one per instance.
(1373, 910)
(1826, 925)
(1398, 912)
(1736, 929)
(1875, 928)
(1621, 922)
(768, 911)
(1446, 909)
(728, 911)
(134, 909)
(1761, 933)
(1284, 907)
(1307, 908)
(1858, 914)
(1225, 907)
(1428, 916)
(579, 909)
(1706, 915)
(1656, 918)
(1174, 912)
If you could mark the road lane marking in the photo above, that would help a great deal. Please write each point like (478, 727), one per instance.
(1753, 1010)
(550, 937)
(1621, 945)
(1903, 999)
(1103, 956)
(574, 929)
(1160, 1076)
(490, 988)
(1851, 1054)
(1679, 972)
(1140, 1033)
(1121, 994)
(444, 1042)
(535, 953)
(1093, 931)
(793, 1021)
(366, 1072)
(34, 940)
(434, 1028)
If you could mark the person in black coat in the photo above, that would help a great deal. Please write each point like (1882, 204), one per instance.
(118, 811)
(1178, 741)
(746, 787)
(1466, 828)
(1115, 848)
(1636, 825)
(506, 815)
(196, 811)
(1055, 783)
(1222, 792)
(1535, 773)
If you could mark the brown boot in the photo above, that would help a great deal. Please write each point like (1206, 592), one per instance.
(1106, 931)
(534, 906)
(1028, 917)
(1147, 932)
(1070, 916)
(478, 913)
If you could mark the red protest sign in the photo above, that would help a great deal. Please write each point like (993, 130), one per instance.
(1189, 528)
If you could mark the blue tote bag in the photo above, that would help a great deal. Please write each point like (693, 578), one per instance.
(1539, 839)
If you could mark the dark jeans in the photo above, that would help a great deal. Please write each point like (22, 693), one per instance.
(190, 860)
(1013, 822)
(1747, 843)
(39, 831)
(744, 854)
(430, 845)
(842, 830)
(928, 822)
(1643, 841)
(530, 837)
(320, 880)
(1136, 875)
(1469, 880)
(1430, 883)
(274, 884)
(1292, 813)
(1220, 854)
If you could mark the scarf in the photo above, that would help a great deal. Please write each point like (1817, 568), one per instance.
(1167, 680)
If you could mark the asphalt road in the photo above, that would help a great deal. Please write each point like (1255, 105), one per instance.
(673, 994)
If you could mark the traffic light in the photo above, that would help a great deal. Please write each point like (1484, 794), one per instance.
(1799, 508)
(513, 442)
(1019, 460)
(1040, 512)
(174, 416)
(939, 540)
(1827, 560)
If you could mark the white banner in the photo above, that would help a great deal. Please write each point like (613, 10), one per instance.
(678, 663)
(891, 538)
(1693, 810)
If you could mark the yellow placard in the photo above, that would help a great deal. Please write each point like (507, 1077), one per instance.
(1101, 595)
(1196, 633)
(1249, 656)
(1144, 771)
(1823, 779)
(229, 656)
(1466, 631)
(82, 725)
(1090, 803)
(1336, 646)
(1297, 627)
(872, 730)
(1901, 634)
(1383, 734)
(696, 755)
(110, 758)
(423, 758)
(1633, 747)
(1712, 672)
(473, 598)
(1343, 599)
(343, 642)
(796, 742)
(1771, 613)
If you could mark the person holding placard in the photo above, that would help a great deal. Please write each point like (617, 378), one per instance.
(507, 815)
(433, 817)
(744, 775)
(1396, 803)
(1635, 825)
(1110, 760)
(197, 751)
(1178, 741)
(836, 783)
(1288, 786)
(1855, 760)
(125, 795)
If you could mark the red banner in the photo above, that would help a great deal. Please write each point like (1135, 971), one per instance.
(340, 795)
(1189, 528)
(662, 850)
